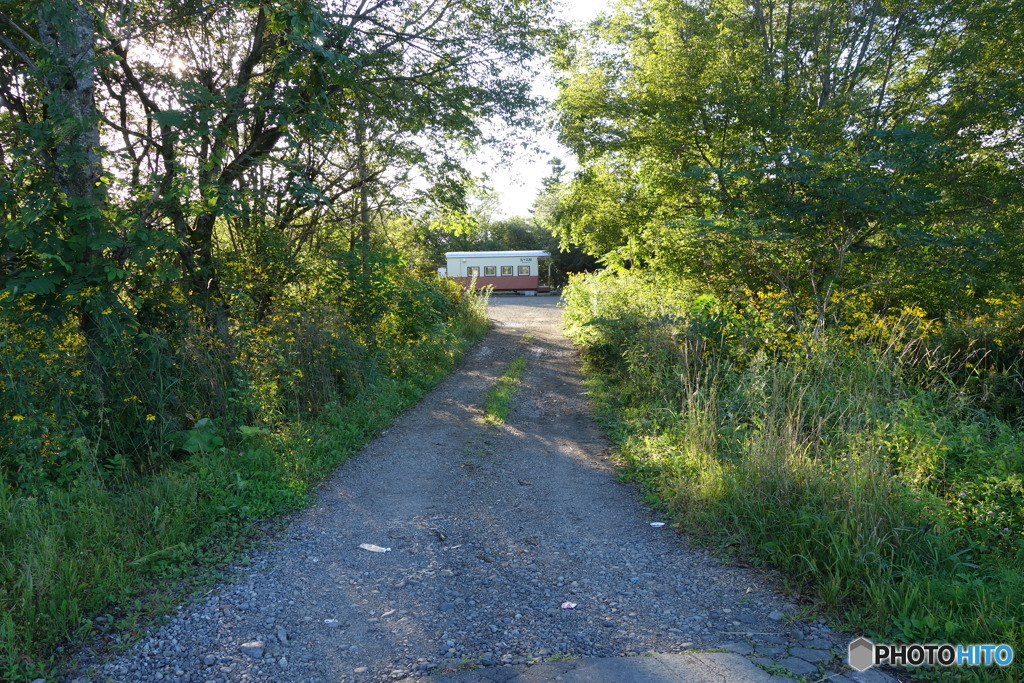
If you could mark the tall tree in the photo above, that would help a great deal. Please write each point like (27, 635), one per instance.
(231, 125)
(794, 144)
(58, 239)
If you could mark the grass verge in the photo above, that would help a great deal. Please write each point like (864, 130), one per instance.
(498, 401)
(894, 502)
(86, 568)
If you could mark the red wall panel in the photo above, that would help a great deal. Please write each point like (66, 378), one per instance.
(501, 282)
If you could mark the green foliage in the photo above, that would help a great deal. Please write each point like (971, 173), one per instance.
(193, 276)
(851, 461)
(202, 438)
(107, 498)
(146, 148)
(182, 390)
(811, 147)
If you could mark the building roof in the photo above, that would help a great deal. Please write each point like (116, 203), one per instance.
(494, 254)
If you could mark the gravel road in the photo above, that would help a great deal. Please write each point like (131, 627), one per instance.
(491, 529)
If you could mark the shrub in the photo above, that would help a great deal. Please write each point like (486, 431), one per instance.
(846, 456)
(116, 486)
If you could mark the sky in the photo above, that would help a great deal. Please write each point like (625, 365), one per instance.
(518, 180)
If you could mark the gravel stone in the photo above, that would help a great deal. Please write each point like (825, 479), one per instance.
(491, 529)
(252, 649)
(869, 676)
(798, 666)
(813, 656)
(775, 640)
(738, 648)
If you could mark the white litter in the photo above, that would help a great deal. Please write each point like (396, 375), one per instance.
(374, 548)
(657, 525)
(568, 605)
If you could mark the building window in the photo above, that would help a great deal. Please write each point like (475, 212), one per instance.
(472, 271)
(490, 271)
(524, 270)
(506, 270)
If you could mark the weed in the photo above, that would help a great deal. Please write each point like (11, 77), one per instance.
(464, 664)
(498, 400)
(839, 459)
(124, 513)
(776, 670)
(561, 657)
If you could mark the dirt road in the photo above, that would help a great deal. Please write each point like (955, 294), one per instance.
(491, 530)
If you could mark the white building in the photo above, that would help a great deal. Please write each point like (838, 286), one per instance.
(502, 270)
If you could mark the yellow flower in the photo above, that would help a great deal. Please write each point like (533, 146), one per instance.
(17, 418)
(150, 418)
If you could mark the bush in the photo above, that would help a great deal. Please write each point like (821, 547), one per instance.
(839, 455)
(116, 486)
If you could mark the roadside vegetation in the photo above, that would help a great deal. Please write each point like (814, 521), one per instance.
(211, 283)
(112, 512)
(809, 337)
(879, 465)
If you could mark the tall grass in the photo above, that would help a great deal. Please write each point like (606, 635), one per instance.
(886, 492)
(103, 527)
(497, 402)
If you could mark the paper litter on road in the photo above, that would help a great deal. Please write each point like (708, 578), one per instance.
(657, 525)
(374, 548)
(568, 605)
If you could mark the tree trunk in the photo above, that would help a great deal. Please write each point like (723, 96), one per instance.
(67, 33)
(364, 194)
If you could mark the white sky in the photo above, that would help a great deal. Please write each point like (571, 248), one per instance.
(517, 180)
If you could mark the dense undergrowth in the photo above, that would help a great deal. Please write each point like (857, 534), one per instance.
(878, 460)
(120, 491)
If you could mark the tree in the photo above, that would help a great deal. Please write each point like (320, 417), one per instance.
(176, 134)
(801, 145)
